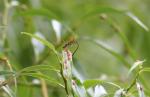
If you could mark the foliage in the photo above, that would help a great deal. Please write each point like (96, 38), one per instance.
(80, 48)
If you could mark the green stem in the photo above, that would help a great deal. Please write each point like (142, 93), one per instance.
(64, 79)
(5, 17)
(133, 83)
(134, 80)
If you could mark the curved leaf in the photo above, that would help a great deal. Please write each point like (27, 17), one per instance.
(47, 78)
(137, 20)
(6, 73)
(145, 70)
(38, 68)
(39, 12)
(90, 83)
(99, 10)
(93, 82)
(135, 65)
(45, 42)
(109, 50)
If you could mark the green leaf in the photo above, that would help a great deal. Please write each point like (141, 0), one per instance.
(38, 12)
(145, 70)
(113, 84)
(135, 65)
(45, 77)
(45, 42)
(124, 38)
(93, 82)
(109, 50)
(90, 83)
(98, 10)
(137, 20)
(6, 73)
(38, 68)
(118, 56)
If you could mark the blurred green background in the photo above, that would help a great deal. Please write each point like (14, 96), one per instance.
(95, 19)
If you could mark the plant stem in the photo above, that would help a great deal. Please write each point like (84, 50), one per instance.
(64, 79)
(44, 88)
(134, 80)
(133, 83)
(5, 60)
(125, 40)
(5, 16)
(117, 29)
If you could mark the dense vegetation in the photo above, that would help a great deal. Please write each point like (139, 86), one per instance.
(74, 48)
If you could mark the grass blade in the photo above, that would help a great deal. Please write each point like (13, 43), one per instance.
(135, 65)
(137, 20)
(109, 50)
(98, 10)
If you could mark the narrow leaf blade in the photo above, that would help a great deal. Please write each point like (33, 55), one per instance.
(137, 20)
(93, 82)
(45, 77)
(38, 68)
(135, 65)
(45, 42)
